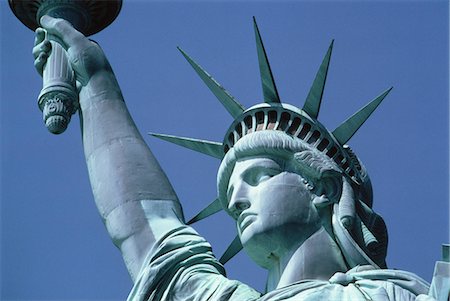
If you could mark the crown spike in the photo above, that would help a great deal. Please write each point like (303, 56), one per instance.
(227, 100)
(234, 248)
(211, 209)
(314, 98)
(268, 83)
(348, 128)
(210, 148)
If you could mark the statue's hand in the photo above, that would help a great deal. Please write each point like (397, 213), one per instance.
(85, 56)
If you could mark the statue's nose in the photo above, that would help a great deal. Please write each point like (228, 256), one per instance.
(239, 200)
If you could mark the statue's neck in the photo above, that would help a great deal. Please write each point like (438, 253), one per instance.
(318, 257)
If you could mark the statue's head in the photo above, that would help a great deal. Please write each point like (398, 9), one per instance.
(283, 175)
(276, 188)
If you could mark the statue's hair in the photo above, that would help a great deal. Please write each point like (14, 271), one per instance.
(299, 157)
(314, 164)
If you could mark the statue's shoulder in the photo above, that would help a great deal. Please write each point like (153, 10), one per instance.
(360, 283)
(396, 284)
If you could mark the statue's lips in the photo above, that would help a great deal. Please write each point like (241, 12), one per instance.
(245, 219)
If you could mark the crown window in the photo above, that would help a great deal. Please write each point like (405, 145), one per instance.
(248, 123)
(315, 135)
(304, 131)
(231, 139)
(294, 126)
(272, 118)
(346, 165)
(285, 117)
(259, 120)
(239, 130)
(339, 159)
(332, 152)
(323, 144)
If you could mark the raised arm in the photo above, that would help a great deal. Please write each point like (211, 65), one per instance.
(132, 193)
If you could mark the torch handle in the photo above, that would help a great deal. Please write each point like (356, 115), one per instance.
(58, 99)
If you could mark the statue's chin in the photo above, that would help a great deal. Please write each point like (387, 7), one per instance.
(261, 246)
(267, 244)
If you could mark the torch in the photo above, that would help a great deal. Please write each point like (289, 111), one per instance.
(58, 99)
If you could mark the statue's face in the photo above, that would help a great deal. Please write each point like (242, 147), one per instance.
(272, 207)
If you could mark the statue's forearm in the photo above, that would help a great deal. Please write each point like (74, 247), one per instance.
(132, 193)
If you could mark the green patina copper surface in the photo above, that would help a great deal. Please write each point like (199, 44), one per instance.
(301, 199)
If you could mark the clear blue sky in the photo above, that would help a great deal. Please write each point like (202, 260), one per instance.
(53, 243)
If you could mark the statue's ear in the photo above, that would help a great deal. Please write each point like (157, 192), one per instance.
(329, 188)
(332, 185)
(335, 188)
(326, 175)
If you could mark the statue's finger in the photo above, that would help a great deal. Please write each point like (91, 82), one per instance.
(40, 36)
(44, 46)
(40, 62)
(61, 29)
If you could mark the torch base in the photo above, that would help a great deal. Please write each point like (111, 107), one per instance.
(87, 16)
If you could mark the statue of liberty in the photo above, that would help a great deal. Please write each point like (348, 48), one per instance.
(301, 198)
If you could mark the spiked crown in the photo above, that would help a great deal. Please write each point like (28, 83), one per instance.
(277, 116)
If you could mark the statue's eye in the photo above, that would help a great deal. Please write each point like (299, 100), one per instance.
(263, 178)
(261, 175)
